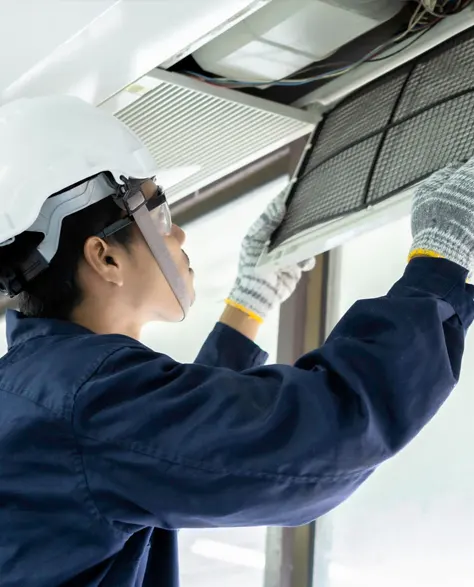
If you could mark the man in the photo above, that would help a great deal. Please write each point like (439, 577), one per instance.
(106, 447)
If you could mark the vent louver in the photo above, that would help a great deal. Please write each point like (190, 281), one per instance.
(189, 123)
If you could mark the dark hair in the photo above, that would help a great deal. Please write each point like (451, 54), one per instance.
(55, 292)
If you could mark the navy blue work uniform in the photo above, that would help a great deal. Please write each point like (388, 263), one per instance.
(106, 447)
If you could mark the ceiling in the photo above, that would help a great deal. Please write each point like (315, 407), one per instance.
(94, 48)
(103, 50)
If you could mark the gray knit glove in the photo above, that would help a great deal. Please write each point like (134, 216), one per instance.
(443, 215)
(258, 294)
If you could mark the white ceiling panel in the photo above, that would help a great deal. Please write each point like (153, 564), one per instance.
(30, 31)
(94, 48)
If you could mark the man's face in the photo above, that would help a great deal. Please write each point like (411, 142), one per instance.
(145, 284)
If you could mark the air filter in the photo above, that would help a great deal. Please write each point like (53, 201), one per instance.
(386, 137)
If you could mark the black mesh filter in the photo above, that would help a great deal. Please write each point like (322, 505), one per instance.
(439, 75)
(387, 136)
(416, 148)
(347, 193)
(353, 119)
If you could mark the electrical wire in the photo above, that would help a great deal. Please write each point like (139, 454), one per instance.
(444, 8)
(230, 83)
(226, 82)
(412, 42)
(425, 16)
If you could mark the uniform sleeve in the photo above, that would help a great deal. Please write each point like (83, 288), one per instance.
(180, 446)
(225, 347)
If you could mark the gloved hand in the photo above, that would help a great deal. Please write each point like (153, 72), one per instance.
(443, 215)
(257, 294)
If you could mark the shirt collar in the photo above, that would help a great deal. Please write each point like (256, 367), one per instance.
(21, 329)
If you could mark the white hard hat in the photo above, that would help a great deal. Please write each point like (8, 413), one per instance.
(54, 144)
(50, 143)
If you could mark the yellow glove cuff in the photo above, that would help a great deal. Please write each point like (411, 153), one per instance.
(243, 309)
(424, 253)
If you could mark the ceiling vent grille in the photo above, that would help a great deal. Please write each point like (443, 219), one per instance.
(212, 131)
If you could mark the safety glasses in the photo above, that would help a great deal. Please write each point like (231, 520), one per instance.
(156, 205)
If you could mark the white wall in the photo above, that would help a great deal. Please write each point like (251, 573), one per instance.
(412, 523)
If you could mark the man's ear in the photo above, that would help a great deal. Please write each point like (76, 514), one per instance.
(104, 259)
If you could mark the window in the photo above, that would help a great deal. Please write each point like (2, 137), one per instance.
(412, 523)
